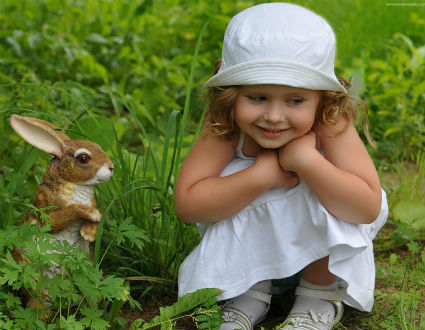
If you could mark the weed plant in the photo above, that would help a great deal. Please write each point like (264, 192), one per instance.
(395, 90)
(79, 289)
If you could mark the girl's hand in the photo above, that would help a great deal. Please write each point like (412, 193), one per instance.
(345, 180)
(202, 195)
(296, 152)
(267, 162)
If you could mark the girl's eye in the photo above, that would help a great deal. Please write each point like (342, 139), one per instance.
(83, 158)
(295, 101)
(257, 99)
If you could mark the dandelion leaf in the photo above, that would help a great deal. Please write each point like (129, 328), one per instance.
(411, 213)
(184, 304)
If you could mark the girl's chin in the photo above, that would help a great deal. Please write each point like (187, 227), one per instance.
(271, 145)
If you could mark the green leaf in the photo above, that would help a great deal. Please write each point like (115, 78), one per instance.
(419, 224)
(113, 288)
(392, 130)
(127, 231)
(99, 324)
(5, 323)
(27, 318)
(393, 259)
(93, 319)
(413, 247)
(57, 287)
(11, 270)
(15, 45)
(419, 89)
(96, 38)
(410, 212)
(137, 324)
(167, 325)
(185, 303)
(98, 129)
(10, 299)
(69, 323)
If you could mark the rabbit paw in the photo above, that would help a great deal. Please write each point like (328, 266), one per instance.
(88, 231)
(95, 215)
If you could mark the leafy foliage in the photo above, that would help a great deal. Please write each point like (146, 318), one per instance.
(411, 213)
(79, 293)
(395, 90)
(404, 187)
(207, 315)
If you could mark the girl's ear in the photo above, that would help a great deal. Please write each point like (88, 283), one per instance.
(40, 134)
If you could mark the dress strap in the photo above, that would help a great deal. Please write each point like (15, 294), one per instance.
(238, 150)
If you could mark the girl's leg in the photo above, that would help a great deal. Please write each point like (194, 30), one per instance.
(316, 276)
(318, 273)
(248, 304)
(315, 310)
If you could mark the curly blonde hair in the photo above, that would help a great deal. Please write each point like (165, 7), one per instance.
(332, 106)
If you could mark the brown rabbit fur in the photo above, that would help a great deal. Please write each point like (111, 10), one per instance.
(67, 184)
(75, 202)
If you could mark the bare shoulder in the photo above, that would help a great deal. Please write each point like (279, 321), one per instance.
(340, 138)
(344, 148)
(340, 134)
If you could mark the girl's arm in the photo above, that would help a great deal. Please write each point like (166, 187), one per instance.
(202, 196)
(345, 180)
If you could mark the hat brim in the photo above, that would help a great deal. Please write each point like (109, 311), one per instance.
(275, 72)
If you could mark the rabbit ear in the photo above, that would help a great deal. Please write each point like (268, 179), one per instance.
(40, 134)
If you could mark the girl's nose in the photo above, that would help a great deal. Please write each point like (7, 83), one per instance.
(275, 113)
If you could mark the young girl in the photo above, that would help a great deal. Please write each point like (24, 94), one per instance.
(279, 178)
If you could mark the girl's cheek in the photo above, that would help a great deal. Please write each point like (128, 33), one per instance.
(245, 115)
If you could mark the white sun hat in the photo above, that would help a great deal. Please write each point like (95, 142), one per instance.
(278, 43)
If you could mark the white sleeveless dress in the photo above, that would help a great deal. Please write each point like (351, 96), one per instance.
(275, 237)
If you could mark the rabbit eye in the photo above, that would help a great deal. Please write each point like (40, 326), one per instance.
(83, 158)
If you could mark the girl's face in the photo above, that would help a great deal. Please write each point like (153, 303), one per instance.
(273, 115)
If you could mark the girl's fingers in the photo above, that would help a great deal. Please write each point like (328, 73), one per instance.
(294, 181)
(291, 179)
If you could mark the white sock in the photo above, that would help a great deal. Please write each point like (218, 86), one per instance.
(305, 303)
(248, 305)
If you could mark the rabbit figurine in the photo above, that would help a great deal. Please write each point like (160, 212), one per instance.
(68, 182)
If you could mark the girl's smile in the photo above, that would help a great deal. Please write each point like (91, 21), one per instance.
(273, 115)
(272, 132)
